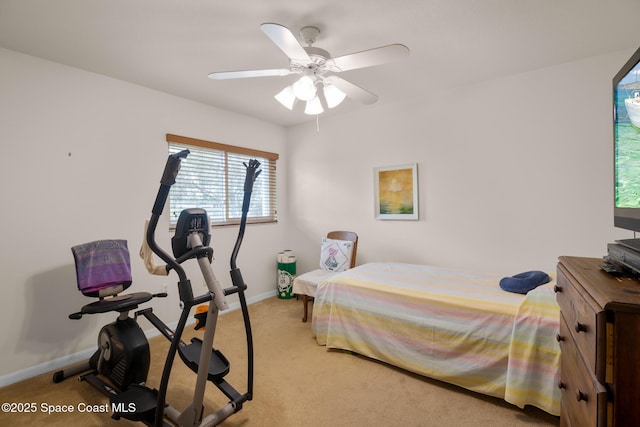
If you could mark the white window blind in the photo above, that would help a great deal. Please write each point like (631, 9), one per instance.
(212, 178)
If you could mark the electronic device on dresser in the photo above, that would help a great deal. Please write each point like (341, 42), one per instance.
(622, 258)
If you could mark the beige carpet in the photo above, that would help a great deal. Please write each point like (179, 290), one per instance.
(297, 383)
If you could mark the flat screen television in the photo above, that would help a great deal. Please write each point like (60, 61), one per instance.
(626, 133)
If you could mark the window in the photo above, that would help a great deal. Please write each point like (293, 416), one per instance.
(212, 178)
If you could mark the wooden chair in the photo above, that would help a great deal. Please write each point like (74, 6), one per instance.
(305, 285)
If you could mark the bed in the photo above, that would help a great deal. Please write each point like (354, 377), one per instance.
(447, 324)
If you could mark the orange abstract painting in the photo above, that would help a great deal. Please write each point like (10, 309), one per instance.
(396, 192)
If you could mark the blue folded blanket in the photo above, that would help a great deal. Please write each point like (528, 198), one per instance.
(524, 282)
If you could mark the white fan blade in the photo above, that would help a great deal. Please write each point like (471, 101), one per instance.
(286, 41)
(368, 58)
(352, 91)
(224, 75)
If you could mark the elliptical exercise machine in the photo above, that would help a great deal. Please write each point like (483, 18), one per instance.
(103, 271)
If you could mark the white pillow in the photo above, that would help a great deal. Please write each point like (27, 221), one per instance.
(335, 255)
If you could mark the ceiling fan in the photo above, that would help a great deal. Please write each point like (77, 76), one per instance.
(317, 69)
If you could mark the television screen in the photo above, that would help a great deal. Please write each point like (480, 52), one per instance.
(626, 128)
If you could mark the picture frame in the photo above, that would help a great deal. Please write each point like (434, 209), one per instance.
(396, 192)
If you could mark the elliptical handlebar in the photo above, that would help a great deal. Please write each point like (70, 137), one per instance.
(250, 178)
(169, 175)
(236, 276)
(172, 167)
(252, 174)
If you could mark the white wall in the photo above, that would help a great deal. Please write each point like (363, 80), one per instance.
(512, 172)
(82, 157)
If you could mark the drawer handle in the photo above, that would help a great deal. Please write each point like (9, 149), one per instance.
(559, 338)
(557, 288)
(581, 396)
(561, 385)
(580, 327)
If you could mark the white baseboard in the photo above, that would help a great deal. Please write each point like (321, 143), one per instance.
(70, 359)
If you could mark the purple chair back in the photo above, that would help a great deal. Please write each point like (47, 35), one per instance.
(102, 264)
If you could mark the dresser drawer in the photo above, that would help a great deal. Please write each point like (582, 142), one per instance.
(584, 322)
(584, 399)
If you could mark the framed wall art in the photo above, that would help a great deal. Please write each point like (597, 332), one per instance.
(396, 192)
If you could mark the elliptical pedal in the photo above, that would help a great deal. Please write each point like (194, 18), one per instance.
(136, 403)
(190, 355)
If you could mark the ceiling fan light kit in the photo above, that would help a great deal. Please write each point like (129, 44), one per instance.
(286, 97)
(316, 67)
(313, 107)
(333, 95)
(305, 88)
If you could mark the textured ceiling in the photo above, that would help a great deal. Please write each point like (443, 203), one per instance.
(171, 45)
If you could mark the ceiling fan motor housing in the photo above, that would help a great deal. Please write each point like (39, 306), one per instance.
(318, 56)
(318, 65)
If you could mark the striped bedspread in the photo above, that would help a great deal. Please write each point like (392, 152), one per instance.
(447, 324)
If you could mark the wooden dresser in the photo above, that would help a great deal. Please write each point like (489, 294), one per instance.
(600, 342)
